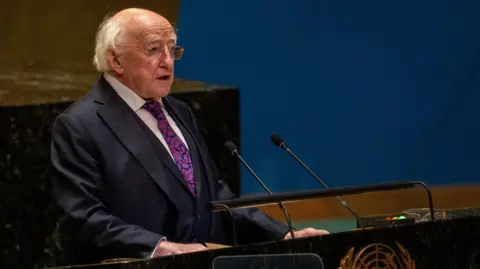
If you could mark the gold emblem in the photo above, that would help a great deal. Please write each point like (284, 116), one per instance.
(378, 256)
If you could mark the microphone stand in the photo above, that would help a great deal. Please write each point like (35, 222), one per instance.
(360, 222)
(282, 207)
(235, 242)
(233, 149)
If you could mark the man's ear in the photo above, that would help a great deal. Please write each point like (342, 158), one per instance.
(114, 62)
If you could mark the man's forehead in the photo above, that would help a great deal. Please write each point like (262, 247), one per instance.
(160, 37)
(154, 33)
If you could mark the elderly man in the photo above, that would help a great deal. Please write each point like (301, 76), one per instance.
(131, 172)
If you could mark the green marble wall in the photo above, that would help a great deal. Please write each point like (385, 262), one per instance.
(46, 47)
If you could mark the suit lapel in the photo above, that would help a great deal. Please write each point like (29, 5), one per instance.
(124, 123)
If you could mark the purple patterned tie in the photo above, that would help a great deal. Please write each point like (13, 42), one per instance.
(177, 148)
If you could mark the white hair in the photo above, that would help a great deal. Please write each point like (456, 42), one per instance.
(110, 35)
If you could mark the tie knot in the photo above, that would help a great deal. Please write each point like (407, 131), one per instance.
(155, 108)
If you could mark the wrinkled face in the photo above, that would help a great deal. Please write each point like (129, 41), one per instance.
(144, 63)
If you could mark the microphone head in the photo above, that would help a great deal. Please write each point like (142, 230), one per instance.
(277, 141)
(231, 147)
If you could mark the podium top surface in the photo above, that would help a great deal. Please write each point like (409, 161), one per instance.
(290, 197)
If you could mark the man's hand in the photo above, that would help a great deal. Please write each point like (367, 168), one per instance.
(306, 233)
(166, 248)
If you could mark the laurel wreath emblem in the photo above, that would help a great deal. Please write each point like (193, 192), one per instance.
(378, 256)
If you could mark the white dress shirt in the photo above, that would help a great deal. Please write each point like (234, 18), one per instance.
(135, 102)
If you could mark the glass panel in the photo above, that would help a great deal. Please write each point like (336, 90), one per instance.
(269, 261)
(424, 214)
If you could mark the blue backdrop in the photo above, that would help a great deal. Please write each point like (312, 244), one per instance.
(363, 91)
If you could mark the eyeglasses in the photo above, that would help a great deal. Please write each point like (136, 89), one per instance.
(176, 52)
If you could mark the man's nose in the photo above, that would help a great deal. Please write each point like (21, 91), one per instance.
(167, 59)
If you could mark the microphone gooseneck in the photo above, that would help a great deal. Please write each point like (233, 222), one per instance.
(233, 149)
(279, 142)
(234, 229)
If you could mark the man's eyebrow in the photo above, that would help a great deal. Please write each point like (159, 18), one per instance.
(153, 40)
(172, 38)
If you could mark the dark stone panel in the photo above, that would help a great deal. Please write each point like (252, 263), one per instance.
(28, 215)
(218, 113)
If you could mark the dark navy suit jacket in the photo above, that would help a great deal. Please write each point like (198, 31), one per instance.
(119, 191)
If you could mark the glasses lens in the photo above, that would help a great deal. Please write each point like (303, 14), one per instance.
(178, 52)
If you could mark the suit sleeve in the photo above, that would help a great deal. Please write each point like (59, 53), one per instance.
(252, 225)
(78, 191)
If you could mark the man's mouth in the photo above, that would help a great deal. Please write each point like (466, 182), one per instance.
(167, 77)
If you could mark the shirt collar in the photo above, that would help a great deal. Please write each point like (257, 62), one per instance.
(133, 100)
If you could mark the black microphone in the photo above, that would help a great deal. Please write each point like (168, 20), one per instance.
(232, 148)
(279, 142)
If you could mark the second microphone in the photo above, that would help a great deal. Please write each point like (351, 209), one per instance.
(233, 149)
